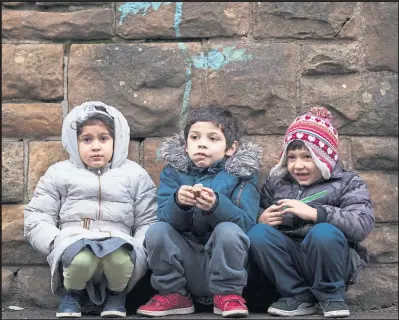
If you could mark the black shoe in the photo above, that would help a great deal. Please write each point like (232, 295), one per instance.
(114, 306)
(290, 306)
(335, 309)
(70, 304)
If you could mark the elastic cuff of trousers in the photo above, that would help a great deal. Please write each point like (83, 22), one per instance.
(321, 215)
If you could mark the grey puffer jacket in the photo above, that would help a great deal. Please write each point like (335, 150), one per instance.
(347, 206)
(119, 200)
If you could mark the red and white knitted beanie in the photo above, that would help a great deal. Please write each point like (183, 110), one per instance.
(315, 129)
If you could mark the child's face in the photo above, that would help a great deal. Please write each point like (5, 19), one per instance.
(302, 168)
(206, 144)
(96, 145)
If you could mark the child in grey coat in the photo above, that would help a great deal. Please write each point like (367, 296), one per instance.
(89, 214)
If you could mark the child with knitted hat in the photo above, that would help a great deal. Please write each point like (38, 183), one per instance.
(314, 216)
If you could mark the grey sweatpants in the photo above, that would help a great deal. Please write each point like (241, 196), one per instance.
(181, 264)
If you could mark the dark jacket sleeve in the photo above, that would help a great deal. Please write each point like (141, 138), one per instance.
(266, 199)
(355, 215)
(168, 210)
(241, 209)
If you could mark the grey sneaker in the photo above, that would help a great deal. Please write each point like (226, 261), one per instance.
(335, 309)
(70, 304)
(289, 307)
(114, 305)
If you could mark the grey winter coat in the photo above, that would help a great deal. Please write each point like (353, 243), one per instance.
(347, 206)
(120, 199)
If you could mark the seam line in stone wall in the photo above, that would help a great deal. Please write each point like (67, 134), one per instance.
(26, 170)
(251, 22)
(298, 77)
(350, 158)
(113, 8)
(141, 153)
(116, 39)
(65, 103)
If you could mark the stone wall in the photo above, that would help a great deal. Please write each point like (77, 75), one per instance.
(267, 62)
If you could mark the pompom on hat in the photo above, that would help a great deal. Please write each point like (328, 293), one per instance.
(315, 130)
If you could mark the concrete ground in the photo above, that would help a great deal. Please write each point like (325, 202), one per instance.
(30, 313)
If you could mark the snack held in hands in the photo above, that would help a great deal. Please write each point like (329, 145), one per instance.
(197, 190)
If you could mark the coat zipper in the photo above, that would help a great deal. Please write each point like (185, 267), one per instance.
(299, 194)
(99, 194)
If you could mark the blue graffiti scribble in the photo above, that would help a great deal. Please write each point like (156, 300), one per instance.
(177, 18)
(216, 59)
(137, 7)
(184, 49)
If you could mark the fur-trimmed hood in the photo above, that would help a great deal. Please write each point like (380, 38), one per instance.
(244, 163)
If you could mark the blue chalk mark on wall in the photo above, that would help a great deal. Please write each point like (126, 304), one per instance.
(138, 7)
(216, 59)
(177, 18)
(184, 49)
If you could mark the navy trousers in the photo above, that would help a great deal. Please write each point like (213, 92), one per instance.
(317, 266)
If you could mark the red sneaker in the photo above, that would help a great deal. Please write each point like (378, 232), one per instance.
(231, 305)
(164, 305)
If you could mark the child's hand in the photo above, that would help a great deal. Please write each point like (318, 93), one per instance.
(272, 216)
(300, 209)
(185, 196)
(206, 200)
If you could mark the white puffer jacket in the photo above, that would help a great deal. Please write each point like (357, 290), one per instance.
(120, 200)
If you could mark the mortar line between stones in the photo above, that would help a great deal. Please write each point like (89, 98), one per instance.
(251, 18)
(141, 153)
(204, 48)
(298, 68)
(64, 104)
(359, 40)
(350, 159)
(26, 167)
(113, 9)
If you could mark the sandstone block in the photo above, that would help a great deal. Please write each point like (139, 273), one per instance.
(271, 148)
(330, 59)
(344, 153)
(66, 3)
(11, 213)
(134, 151)
(151, 163)
(32, 120)
(361, 105)
(144, 20)
(383, 188)
(12, 172)
(32, 71)
(382, 244)
(305, 20)
(376, 288)
(33, 284)
(381, 35)
(90, 24)
(7, 277)
(255, 81)
(149, 83)
(15, 250)
(14, 230)
(42, 154)
(373, 153)
(13, 4)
